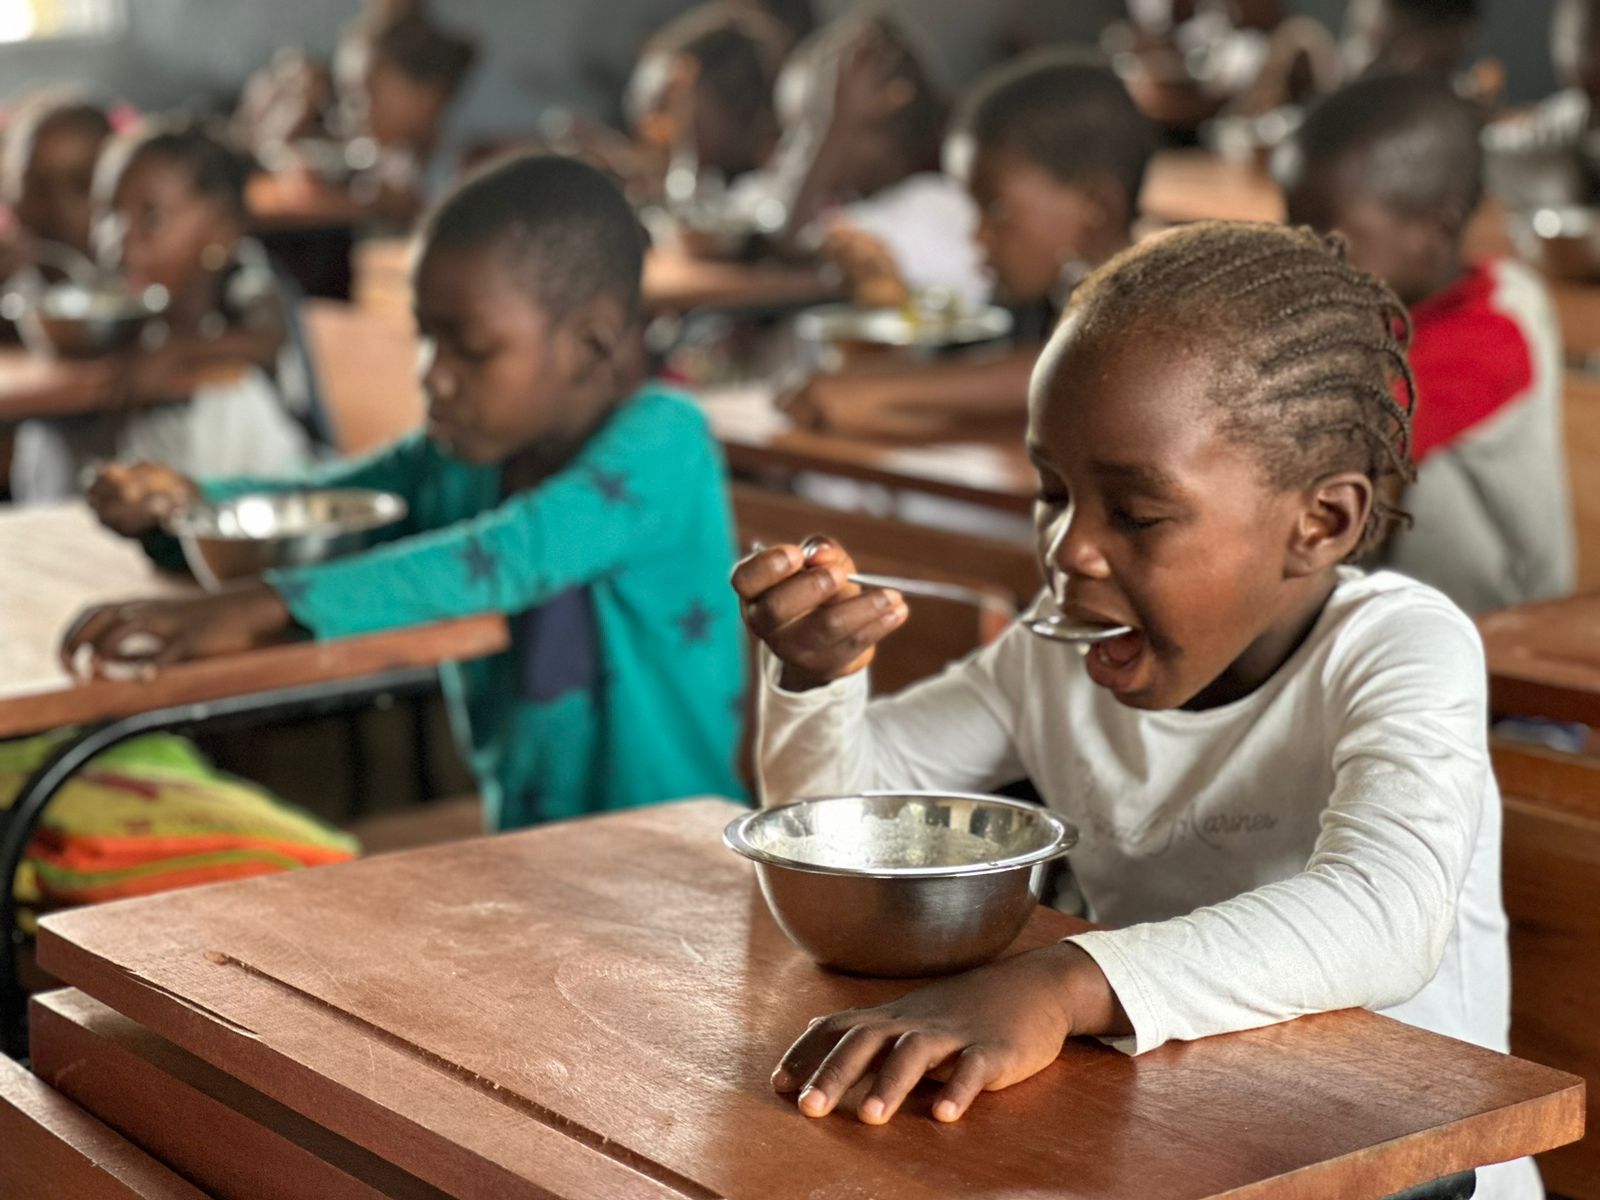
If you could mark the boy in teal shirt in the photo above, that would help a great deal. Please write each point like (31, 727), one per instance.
(547, 486)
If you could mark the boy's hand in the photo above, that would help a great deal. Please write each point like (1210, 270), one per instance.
(981, 1031)
(134, 499)
(868, 265)
(143, 636)
(863, 403)
(823, 627)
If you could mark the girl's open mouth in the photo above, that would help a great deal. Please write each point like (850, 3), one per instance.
(1113, 664)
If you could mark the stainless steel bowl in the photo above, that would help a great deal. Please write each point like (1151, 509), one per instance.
(901, 883)
(247, 535)
(1564, 243)
(71, 320)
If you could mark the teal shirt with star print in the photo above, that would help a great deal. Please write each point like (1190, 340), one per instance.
(624, 682)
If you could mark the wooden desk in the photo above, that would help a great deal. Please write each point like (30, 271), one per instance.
(593, 1008)
(673, 282)
(1544, 659)
(1197, 185)
(290, 203)
(758, 438)
(56, 562)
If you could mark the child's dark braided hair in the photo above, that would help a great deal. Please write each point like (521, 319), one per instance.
(1308, 353)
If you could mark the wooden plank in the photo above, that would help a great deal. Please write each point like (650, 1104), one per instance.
(1197, 185)
(619, 979)
(1544, 659)
(1552, 860)
(674, 282)
(367, 372)
(57, 561)
(758, 439)
(56, 1151)
(1581, 415)
(156, 1096)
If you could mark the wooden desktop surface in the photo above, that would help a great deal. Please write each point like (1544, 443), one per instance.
(57, 561)
(593, 1008)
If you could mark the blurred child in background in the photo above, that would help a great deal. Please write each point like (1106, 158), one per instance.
(47, 160)
(214, 382)
(1053, 153)
(1394, 164)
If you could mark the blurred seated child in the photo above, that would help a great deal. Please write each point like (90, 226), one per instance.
(1280, 771)
(1188, 60)
(215, 383)
(1394, 164)
(700, 106)
(395, 76)
(1551, 155)
(286, 101)
(51, 144)
(860, 173)
(1426, 37)
(549, 486)
(1053, 153)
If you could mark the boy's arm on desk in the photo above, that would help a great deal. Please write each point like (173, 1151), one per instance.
(901, 400)
(621, 498)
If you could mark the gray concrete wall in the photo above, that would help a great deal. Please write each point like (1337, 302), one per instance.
(542, 52)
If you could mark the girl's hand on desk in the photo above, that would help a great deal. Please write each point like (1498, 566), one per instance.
(798, 600)
(142, 636)
(981, 1031)
(135, 498)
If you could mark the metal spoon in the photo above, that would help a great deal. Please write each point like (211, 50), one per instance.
(1056, 629)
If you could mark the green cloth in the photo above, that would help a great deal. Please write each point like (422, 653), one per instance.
(632, 540)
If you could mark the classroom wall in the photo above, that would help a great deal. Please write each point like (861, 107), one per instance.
(542, 52)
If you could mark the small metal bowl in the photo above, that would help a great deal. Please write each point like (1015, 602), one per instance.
(242, 537)
(901, 884)
(1563, 243)
(70, 320)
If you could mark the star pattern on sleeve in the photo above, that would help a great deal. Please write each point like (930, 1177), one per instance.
(694, 623)
(481, 564)
(612, 486)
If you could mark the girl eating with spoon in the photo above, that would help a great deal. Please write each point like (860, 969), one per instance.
(1280, 771)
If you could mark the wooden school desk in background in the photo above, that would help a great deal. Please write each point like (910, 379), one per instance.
(759, 439)
(1197, 185)
(56, 562)
(591, 1009)
(674, 283)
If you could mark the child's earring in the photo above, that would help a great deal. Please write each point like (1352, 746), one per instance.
(214, 257)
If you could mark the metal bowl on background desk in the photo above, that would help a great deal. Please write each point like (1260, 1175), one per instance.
(242, 537)
(901, 884)
(835, 333)
(1563, 243)
(75, 320)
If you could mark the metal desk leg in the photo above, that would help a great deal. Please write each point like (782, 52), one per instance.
(1451, 1187)
(17, 824)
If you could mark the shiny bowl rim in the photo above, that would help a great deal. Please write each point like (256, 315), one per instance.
(833, 322)
(1065, 836)
(386, 509)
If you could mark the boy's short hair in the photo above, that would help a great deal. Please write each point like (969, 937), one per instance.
(1066, 113)
(1437, 12)
(1416, 143)
(421, 50)
(739, 53)
(35, 116)
(566, 230)
(216, 169)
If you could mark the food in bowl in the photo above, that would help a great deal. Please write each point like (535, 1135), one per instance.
(244, 536)
(901, 883)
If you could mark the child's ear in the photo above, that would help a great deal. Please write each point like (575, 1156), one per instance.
(1332, 518)
(602, 334)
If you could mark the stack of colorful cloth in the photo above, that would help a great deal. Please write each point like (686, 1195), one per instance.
(150, 815)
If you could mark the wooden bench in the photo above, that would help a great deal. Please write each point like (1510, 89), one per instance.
(1551, 880)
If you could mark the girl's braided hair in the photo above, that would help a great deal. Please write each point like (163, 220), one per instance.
(1307, 354)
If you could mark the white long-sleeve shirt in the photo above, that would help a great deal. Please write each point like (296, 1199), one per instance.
(1331, 840)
